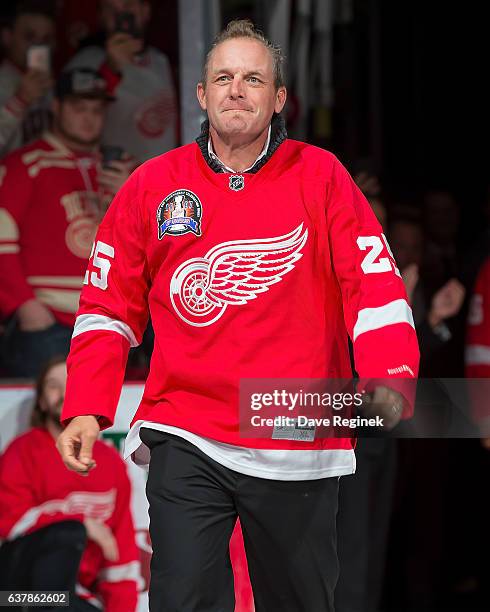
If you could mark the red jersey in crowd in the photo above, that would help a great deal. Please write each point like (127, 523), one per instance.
(478, 336)
(477, 354)
(48, 219)
(37, 490)
(246, 276)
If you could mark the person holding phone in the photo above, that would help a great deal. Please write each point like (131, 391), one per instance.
(25, 74)
(53, 194)
(143, 119)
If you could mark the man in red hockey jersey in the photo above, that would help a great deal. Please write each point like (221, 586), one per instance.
(50, 207)
(62, 531)
(236, 290)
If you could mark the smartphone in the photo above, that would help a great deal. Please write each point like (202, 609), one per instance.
(110, 153)
(39, 57)
(126, 22)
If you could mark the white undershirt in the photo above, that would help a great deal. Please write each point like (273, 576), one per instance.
(262, 463)
(226, 168)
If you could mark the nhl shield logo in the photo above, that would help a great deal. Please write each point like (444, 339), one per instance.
(237, 182)
(179, 213)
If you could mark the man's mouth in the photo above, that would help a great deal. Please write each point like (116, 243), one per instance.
(237, 109)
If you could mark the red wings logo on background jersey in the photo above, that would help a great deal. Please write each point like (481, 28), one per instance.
(231, 274)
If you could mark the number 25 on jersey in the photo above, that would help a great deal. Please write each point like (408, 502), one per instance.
(101, 253)
(371, 264)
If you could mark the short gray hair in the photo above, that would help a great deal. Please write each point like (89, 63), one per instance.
(244, 28)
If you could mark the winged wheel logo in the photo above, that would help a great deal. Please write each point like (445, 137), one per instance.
(231, 274)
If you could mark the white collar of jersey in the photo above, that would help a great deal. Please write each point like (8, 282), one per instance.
(225, 168)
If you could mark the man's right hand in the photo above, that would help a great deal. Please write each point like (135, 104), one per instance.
(34, 84)
(75, 444)
(121, 49)
(34, 316)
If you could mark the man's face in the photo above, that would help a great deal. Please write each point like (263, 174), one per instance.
(53, 393)
(111, 8)
(239, 95)
(80, 119)
(27, 30)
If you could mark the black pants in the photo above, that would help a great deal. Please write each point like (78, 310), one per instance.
(45, 560)
(365, 505)
(288, 529)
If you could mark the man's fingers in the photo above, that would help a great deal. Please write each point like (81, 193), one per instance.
(68, 450)
(385, 403)
(76, 442)
(117, 166)
(109, 176)
(87, 444)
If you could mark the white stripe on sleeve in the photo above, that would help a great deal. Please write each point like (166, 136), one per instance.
(477, 354)
(118, 573)
(94, 322)
(368, 319)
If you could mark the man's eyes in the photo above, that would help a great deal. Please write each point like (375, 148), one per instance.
(251, 79)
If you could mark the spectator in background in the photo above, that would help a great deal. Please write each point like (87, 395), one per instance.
(468, 552)
(368, 182)
(431, 308)
(478, 246)
(62, 531)
(441, 224)
(422, 463)
(50, 207)
(379, 209)
(143, 118)
(25, 80)
(477, 353)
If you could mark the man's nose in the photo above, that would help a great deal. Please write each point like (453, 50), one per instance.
(237, 87)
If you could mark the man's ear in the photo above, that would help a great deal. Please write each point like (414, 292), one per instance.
(281, 96)
(201, 95)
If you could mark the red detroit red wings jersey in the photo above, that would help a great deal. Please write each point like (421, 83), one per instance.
(36, 490)
(478, 336)
(246, 275)
(48, 220)
(477, 354)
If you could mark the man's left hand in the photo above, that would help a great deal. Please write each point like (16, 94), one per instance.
(385, 403)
